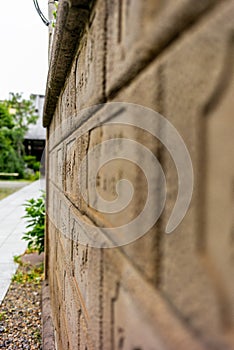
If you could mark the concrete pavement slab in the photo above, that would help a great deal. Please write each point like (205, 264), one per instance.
(12, 227)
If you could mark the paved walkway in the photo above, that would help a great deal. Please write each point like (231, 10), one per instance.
(13, 184)
(12, 226)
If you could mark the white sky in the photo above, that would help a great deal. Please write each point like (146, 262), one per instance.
(23, 48)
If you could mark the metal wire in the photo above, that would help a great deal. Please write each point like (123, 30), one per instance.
(43, 18)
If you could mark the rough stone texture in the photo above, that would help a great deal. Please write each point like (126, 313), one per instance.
(72, 17)
(138, 31)
(189, 76)
(33, 259)
(48, 341)
(198, 69)
(160, 291)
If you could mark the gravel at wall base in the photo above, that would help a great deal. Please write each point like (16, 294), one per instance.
(20, 317)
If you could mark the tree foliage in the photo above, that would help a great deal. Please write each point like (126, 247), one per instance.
(16, 114)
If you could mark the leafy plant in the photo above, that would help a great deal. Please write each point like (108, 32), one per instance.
(32, 162)
(4, 192)
(32, 176)
(34, 275)
(2, 315)
(16, 114)
(32, 168)
(17, 259)
(55, 14)
(35, 215)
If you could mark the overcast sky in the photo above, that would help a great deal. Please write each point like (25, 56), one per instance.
(23, 45)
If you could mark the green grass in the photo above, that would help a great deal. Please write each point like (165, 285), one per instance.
(2, 315)
(17, 259)
(15, 180)
(37, 336)
(4, 192)
(26, 274)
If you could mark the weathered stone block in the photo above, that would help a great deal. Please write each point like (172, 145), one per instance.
(177, 257)
(130, 303)
(151, 81)
(76, 147)
(111, 298)
(89, 62)
(138, 31)
(195, 70)
(108, 145)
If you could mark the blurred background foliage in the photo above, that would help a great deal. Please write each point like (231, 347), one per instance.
(16, 114)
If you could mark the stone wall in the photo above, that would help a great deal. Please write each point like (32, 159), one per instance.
(160, 291)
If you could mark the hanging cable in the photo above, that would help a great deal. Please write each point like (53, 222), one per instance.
(43, 18)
